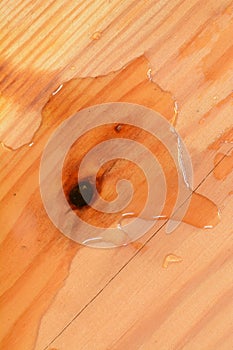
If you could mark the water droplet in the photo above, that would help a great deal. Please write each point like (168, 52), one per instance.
(171, 258)
(202, 121)
(96, 35)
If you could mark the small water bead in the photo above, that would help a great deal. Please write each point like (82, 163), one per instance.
(96, 36)
(171, 258)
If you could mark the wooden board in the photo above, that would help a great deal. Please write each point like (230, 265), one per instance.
(56, 294)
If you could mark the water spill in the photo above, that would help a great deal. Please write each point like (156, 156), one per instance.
(170, 259)
(131, 84)
(223, 165)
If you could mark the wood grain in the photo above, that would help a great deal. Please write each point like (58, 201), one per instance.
(56, 294)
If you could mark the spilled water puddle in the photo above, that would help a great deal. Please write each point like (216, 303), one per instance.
(133, 85)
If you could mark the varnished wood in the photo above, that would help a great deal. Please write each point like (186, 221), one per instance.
(56, 294)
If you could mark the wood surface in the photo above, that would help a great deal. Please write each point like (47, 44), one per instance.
(55, 293)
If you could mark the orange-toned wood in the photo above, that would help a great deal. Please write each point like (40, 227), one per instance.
(56, 294)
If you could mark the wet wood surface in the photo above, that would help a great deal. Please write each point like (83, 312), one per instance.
(57, 294)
